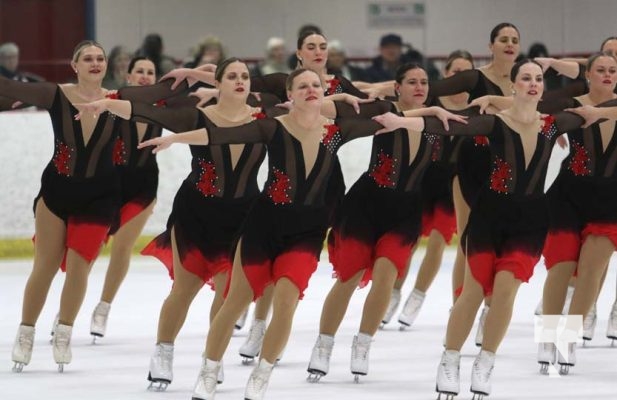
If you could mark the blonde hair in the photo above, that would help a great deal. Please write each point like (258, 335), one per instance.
(82, 45)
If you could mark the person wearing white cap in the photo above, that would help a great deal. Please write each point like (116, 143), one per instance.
(276, 58)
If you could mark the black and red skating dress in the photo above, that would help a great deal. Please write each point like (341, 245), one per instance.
(509, 221)
(437, 202)
(213, 201)
(139, 173)
(80, 185)
(583, 197)
(381, 214)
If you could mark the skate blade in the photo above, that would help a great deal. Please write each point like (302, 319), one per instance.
(356, 376)
(315, 376)
(18, 367)
(449, 396)
(544, 367)
(564, 369)
(477, 395)
(158, 386)
(247, 360)
(61, 367)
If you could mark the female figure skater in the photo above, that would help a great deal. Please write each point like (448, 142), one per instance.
(439, 220)
(79, 196)
(378, 223)
(139, 182)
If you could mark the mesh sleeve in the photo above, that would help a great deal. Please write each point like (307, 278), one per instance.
(175, 119)
(464, 81)
(478, 125)
(567, 121)
(271, 83)
(257, 131)
(349, 88)
(39, 94)
(367, 110)
(353, 128)
(152, 93)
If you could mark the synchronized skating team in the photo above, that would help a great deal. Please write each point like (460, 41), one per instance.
(466, 153)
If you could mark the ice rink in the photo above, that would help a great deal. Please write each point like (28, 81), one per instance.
(403, 364)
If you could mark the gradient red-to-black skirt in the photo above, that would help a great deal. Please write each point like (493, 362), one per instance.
(579, 207)
(473, 165)
(206, 230)
(282, 241)
(505, 233)
(437, 204)
(138, 191)
(374, 222)
(87, 207)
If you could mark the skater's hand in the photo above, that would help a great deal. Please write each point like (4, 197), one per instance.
(160, 143)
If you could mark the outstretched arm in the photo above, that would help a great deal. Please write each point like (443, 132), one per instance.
(442, 114)
(195, 137)
(329, 108)
(568, 68)
(121, 108)
(179, 119)
(162, 90)
(479, 125)
(489, 102)
(39, 94)
(191, 75)
(593, 114)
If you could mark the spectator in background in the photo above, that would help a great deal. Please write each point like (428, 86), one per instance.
(152, 48)
(117, 68)
(276, 58)
(9, 61)
(414, 56)
(337, 63)
(552, 80)
(209, 51)
(384, 66)
(292, 61)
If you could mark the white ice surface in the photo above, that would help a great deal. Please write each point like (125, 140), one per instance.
(403, 364)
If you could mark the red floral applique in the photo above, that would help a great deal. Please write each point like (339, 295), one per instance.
(480, 140)
(259, 115)
(119, 152)
(329, 138)
(500, 176)
(161, 103)
(278, 189)
(383, 171)
(207, 179)
(579, 161)
(112, 95)
(549, 129)
(61, 158)
(332, 86)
